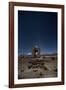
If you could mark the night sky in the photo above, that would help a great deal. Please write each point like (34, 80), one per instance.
(37, 29)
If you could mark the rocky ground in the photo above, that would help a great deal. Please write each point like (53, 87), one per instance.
(37, 67)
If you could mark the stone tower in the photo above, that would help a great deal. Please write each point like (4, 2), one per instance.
(36, 51)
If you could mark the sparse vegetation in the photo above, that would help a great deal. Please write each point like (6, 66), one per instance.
(45, 67)
(55, 70)
(41, 74)
(30, 67)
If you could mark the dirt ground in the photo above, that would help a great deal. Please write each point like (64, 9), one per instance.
(37, 67)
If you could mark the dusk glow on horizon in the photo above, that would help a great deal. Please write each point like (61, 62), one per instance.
(37, 28)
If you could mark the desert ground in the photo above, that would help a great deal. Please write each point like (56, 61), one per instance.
(44, 66)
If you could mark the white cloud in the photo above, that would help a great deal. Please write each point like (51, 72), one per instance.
(29, 53)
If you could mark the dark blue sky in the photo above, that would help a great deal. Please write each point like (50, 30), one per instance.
(37, 28)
